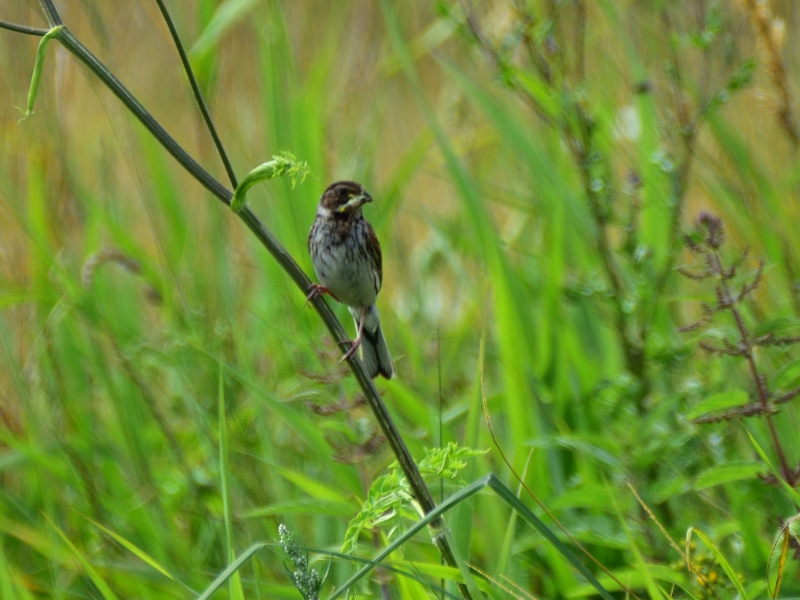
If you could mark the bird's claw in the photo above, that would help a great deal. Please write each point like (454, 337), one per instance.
(352, 351)
(315, 291)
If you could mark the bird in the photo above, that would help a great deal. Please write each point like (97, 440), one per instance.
(347, 259)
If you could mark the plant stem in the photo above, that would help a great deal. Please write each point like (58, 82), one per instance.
(747, 351)
(581, 151)
(23, 29)
(198, 95)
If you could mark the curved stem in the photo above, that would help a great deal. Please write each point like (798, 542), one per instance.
(198, 95)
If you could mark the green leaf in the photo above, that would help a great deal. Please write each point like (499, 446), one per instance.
(447, 462)
(727, 473)
(224, 18)
(389, 498)
(792, 493)
(788, 377)
(723, 562)
(232, 569)
(540, 92)
(718, 402)
(301, 506)
(133, 548)
(633, 578)
(236, 590)
(311, 486)
(384, 501)
(92, 573)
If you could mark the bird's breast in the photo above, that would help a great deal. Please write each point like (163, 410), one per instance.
(341, 260)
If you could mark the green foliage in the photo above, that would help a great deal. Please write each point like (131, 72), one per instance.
(389, 501)
(445, 462)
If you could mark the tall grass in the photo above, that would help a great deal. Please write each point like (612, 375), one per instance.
(166, 401)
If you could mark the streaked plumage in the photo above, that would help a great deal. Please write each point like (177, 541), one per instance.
(347, 259)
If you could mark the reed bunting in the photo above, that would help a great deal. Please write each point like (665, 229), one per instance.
(347, 259)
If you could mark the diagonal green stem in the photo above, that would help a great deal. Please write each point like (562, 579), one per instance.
(50, 13)
(198, 95)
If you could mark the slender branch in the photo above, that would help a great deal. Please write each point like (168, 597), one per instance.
(287, 262)
(198, 95)
(788, 396)
(23, 29)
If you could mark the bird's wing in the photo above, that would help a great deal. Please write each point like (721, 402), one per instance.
(374, 252)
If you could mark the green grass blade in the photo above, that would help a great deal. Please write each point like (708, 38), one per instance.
(231, 570)
(98, 581)
(793, 493)
(726, 566)
(225, 16)
(236, 590)
(141, 554)
(641, 565)
(515, 503)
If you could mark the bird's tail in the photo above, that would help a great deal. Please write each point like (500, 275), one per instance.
(374, 351)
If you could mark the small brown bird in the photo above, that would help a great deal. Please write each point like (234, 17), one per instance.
(347, 258)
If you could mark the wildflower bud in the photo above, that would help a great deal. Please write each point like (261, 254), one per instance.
(711, 227)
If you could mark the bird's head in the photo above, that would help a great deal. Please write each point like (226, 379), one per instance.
(344, 198)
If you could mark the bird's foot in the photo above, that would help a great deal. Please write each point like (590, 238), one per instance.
(353, 348)
(315, 291)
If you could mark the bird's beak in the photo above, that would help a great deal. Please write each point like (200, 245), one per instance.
(355, 202)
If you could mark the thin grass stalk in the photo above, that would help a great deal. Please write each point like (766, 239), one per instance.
(235, 583)
(198, 95)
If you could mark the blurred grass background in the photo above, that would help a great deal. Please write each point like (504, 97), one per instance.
(126, 291)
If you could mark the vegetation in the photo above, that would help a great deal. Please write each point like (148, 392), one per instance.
(588, 214)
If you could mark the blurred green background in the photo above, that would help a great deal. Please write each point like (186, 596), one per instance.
(131, 301)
